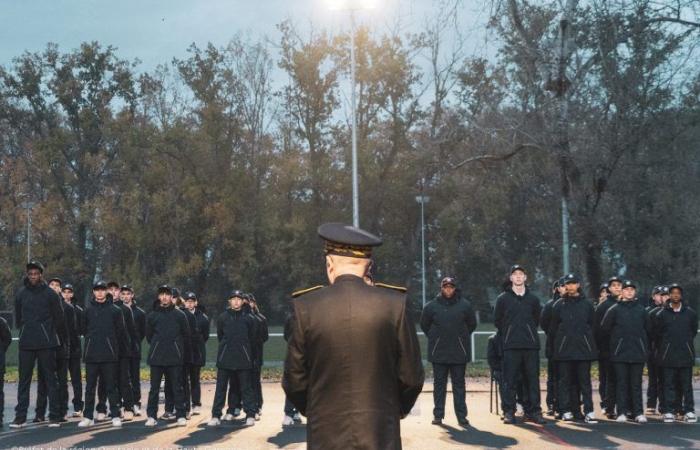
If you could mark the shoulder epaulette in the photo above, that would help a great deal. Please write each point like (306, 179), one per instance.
(389, 286)
(305, 291)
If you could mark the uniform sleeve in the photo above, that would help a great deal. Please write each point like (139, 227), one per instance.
(426, 318)
(220, 327)
(5, 335)
(149, 327)
(470, 318)
(295, 380)
(186, 336)
(410, 365)
(205, 327)
(119, 327)
(606, 324)
(59, 319)
(499, 313)
(140, 319)
(18, 310)
(264, 330)
(554, 320)
(536, 311)
(546, 317)
(694, 323)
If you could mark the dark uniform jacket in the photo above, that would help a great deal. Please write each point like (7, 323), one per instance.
(78, 330)
(494, 356)
(71, 328)
(201, 337)
(353, 365)
(602, 338)
(676, 332)
(39, 317)
(545, 322)
(168, 333)
(448, 324)
(262, 336)
(192, 350)
(140, 324)
(104, 330)
(628, 325)
(5, 341)
(236, 330)
(572, 327)
(517, 318)
(129, 348)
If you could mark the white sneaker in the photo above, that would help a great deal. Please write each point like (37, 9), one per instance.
(250, 421)
(86, 423)
(137, 411)
(77, 414)
(101, 417)
(128, 415)
(590, 418)
(257, 416)
(181, 422)
(228, 418)
(53, 424)
(151, 422)
(188, 415)
(668, 418)
(297, 417)
(236, 412)
(651, 411)
(214, 422)
(567, 417)
(690, 417)
(287, 421)
(621, 418)
(116, 422)
(196, 410)
(641, 418)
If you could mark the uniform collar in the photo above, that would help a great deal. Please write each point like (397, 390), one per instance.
(347, 278)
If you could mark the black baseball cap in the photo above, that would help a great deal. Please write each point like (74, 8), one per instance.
(629, 284)
(614, 279)
(164, 288)
(673, 286)
(448, 281)
(571, 279)
(237, 293)
(516, 267)
(56, 279)
(126, 287)
(112, 284)
(99, 285)
(34, 264)
(190, 296)
(67, 287)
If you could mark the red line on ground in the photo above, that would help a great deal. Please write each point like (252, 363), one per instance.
(543, 429)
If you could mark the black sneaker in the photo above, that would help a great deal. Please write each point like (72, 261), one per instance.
(509, 418)
(463, 422)
(578, 415)
(39, 420)
(536, 418)
(437, 421)
(18, 423)
(168, 416)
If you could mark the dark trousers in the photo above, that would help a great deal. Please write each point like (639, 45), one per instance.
(172, 375)
(77, 383)
(100, 373)
(243, 377)
(289, 409)
(2, 394)
(126, 391)
(168, 392)
(257, 387)
(608, 385)
(525, 363)
(47, 366)
(42, 392)
(629, 387)
(195, 385)
(655, 388)
(234, 395)
(575, 380)
(678, 390)
(135, 374)
(552, 385)
(456, 373)
(102, 392)
(186, 386)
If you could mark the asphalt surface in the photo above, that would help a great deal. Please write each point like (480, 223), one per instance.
(485, 431)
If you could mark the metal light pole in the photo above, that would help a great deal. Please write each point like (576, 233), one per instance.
(355, 181)
(28, 206)
(422, 199)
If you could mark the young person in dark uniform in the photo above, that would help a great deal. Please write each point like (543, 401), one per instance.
(261, 337)
(101, 408)
(448, 322)
(168, 334)
(517, 315)
(606, 372)
(104, 330)
(676, 325)
(572, 322)
(628, 326)
(189, 358)
(200, 338)
(235, 331)
(128, 349)
(655, 386)
(39, 316)
(76, 353)
(126, 294)
(5, 341)
(352, 334)
(545, 321)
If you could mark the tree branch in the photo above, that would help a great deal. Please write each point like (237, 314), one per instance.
(504, 157)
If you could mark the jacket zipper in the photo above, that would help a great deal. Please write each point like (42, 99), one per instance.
(155, 347)
(246, 352)
(618, 346)
(462, 345)
(508, 334)
(587, 343)
(668, 346)
(223, 350)
(435, 348)
(45, 333)
(110, 347)
(179, 354)
(563, 341)
(530, 331)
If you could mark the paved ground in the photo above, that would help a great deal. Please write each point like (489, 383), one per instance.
(486, 430)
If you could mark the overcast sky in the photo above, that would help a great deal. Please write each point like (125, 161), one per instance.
(155, 31)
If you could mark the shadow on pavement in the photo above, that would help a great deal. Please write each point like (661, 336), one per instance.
(129, 432)
(290, 435)
(473, 436)
(204, 435)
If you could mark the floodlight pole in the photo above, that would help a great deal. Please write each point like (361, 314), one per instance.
(355, 181)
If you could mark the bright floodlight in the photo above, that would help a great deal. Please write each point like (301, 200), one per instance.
(351, 5)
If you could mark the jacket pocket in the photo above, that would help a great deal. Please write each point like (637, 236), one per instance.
(45, 333)
(177, 347)
(563, 342)
(510, 328)
(587, 343)
(223, 352)
(462, 345)
(619, 344)
(435, 347)
(111, 349)
(668, 346)
(532, 336)
(153, 352)
(246, 352)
